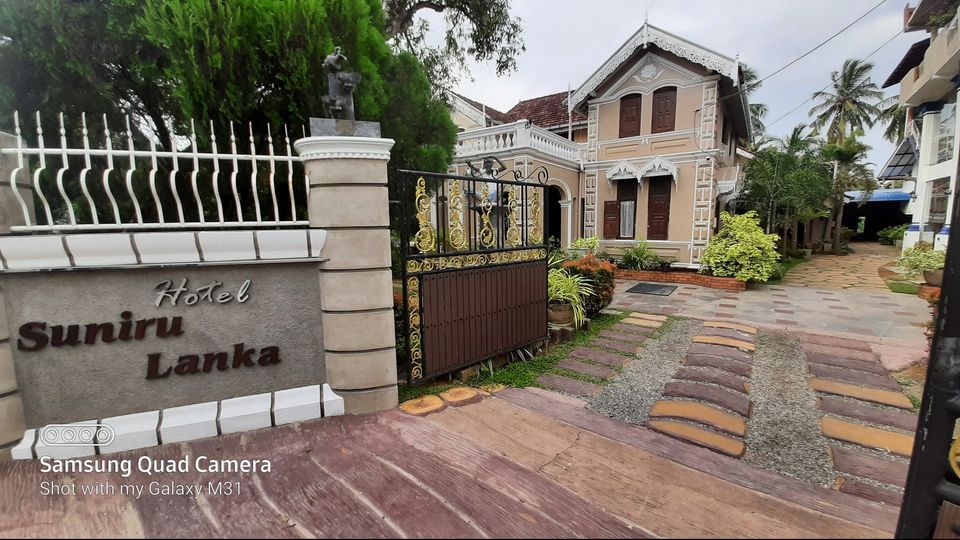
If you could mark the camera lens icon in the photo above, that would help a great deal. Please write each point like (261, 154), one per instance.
(77, 435)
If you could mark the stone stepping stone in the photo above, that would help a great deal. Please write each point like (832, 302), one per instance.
(645, 323)
(849, 363)
(615, 345)
(885, 397)
(853, 376)
(730, 325)
(718, 362)
(868, 437)
(423, 405)
(583, 368)
(869, 466)
(600, 357)
(867, 356)
(568, 385)
(722, 378)
(831, 341)
(702, 413)
(636, 339)
(719, 350)
(699, 436)
(906, 421)
(460, 396)
(869, 491)
(649, 316)
(726, 342)
(725, 398)
(632, 329)
(728, 332)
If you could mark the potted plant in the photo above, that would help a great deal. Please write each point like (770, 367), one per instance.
(567, 294)
(923, 259)
(582, 246)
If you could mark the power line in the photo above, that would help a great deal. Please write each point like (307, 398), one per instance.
(753, 85)
(804, 102)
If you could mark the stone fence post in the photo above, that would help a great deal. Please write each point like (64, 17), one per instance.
(348, 198)
(11, 214)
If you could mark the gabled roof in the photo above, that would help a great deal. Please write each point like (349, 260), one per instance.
(548, 111)
(649, 34)
(910, 60)
(492, 113)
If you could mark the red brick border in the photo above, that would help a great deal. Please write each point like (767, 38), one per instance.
(928, 292)
(692, 278)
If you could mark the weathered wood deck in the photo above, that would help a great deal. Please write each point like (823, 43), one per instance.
(525, 464)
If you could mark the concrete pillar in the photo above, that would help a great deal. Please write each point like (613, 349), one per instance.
(348, 198)
(927, 156)
(566, 218)
(940, 242)
(11, 214)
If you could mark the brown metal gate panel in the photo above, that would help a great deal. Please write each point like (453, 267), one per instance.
(475, 314)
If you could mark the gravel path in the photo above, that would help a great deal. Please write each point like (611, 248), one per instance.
(783, 434)
(631, 394)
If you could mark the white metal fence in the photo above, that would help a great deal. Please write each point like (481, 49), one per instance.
(111, 184)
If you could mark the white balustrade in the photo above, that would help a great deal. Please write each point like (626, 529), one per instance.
(151, 188)
(515, 136)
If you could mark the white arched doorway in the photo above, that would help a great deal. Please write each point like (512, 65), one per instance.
(559, 204)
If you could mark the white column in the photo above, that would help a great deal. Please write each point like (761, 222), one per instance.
(566, 209)
(920, 225)
(940, 242)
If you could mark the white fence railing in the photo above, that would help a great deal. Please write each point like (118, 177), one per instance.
(517, 135)
(111, 184)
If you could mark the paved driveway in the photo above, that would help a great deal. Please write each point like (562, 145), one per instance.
(858, 270)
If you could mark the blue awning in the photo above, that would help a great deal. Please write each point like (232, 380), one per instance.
(879, 195)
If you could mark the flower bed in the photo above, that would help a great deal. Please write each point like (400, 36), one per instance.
(693, 278)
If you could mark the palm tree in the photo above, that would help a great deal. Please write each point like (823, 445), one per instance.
(895, 116)
(757, 110)
(799, 141)
(850, 172)
(850, 103)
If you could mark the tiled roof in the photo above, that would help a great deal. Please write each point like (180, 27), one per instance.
(545, 111)
(491, 112)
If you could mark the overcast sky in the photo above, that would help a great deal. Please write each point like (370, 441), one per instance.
(568, 40)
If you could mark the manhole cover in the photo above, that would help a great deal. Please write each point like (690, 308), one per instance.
(652, 288)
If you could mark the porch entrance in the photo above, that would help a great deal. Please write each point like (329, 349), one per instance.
(658, 207)
(554, 227)
(473, 267)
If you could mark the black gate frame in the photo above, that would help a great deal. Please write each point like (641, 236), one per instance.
(934, 474)
(415, 261)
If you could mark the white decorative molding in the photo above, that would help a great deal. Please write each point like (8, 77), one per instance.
(623, 170)
(332, 147)
(659, 166)
(666, 41)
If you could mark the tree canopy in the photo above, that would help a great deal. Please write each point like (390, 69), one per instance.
(851, 102)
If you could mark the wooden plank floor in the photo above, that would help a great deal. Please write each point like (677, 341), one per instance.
(526, 464)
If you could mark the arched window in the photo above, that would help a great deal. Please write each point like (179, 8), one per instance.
(630, 115)
(664, 110)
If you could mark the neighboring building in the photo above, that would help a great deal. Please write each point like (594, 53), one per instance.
(925, 163)
(648, 152)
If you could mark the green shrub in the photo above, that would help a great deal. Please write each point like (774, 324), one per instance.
(890, 235)
(588, 244)
(741, 250)
(640, 257)
(600, 274)
(922, 258)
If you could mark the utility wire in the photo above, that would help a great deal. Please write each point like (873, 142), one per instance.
(753, 85)
(804, 102)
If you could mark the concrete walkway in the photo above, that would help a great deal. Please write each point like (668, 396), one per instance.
(858, 270)
(523, 463)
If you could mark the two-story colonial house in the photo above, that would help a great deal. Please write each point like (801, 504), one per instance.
(645, 149)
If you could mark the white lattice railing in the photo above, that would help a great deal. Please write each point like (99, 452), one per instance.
(517, 135)
(111, 184)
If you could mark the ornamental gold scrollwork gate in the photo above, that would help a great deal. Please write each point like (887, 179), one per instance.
(472, 267)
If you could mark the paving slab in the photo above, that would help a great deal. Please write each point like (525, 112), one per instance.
(713, 376)
(700, 437)
(866, 436)
(616, 345)
(644, 323)
(601, 357)
(728, 399)
(849, 363)
(870, 491)
(650, 316)
(726, 342)
(895, 418)
(719, 350)
(842, 352)
(567, 385)
(731, 325)
(886, 397)
(632, 329)
(853, 376)
(593, 370)
(700, 412)
(636, 339)
(718, 362)
(831, 341)
(727, 332)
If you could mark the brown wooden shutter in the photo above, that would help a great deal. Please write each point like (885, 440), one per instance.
(664, 110)
(611, 219)
(630, 116)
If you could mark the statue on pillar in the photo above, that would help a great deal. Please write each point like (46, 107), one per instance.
(338, 104)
